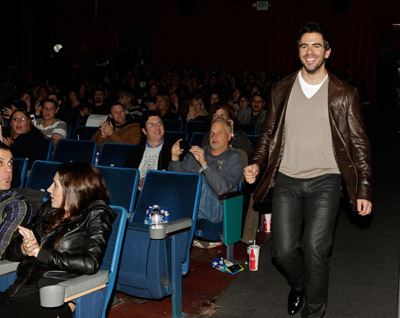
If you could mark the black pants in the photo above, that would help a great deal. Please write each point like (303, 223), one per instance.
(24, 307)
(304, 213)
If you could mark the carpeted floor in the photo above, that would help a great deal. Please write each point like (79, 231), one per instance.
(364, 262)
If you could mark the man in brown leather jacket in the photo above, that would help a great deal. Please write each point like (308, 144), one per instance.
(313, 136)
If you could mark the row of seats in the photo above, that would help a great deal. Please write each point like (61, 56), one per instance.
(148, 268)
(113, 154)
(85, 133)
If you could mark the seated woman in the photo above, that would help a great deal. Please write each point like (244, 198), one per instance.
(197, 110)
(67, 238)
(239, 138)
(24, 139)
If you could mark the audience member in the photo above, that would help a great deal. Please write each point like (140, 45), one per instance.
(154, 151)
(133, 109)
(50, 126)
(197, 110)
(118, 129)
(15, 210)
(67, 238)
(219, 164)
(239, 138)
(255, 114)
(24, 139)
(163, 105)
(99, 105)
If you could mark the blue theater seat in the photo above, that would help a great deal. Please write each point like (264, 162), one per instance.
(153, 269)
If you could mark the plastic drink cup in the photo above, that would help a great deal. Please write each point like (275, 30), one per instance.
(267, 222)
(254, 256)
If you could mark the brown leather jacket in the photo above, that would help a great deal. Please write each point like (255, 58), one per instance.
(350, 143)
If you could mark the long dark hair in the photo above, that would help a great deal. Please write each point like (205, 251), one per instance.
(82, 183)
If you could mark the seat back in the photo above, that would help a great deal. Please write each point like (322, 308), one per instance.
(172, 125)
(122, 185)
(114, 154)
(50, 149)
(41, 175)
(253, 140)
(197, 138)
(250, 128)
(175, 135)
(193, 126)
(145, 268)
(83, 132)
(22, 165)
(95, 304)
(75, 150)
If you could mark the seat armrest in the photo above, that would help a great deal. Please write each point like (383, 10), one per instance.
(170, 228)
(7, 267)
(81, 285)
(229, 195)
(178, 225)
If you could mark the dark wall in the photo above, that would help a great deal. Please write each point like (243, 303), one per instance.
(237, 34)
(228, 31)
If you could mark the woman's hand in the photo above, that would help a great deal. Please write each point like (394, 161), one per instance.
(7, 141)
(29, 245)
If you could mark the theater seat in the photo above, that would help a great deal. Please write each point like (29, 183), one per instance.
(153, 269)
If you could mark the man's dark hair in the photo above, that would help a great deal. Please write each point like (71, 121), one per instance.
(146, 116)
(116, 103)
(3, 146)
(50, 101)
(314, 27)
(258, 94)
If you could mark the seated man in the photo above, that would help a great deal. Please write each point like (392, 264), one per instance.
(15, 210)
(219, 164)
(49, 125)
(256, 114)
(154, 152)
(119, 129)
(134, 110)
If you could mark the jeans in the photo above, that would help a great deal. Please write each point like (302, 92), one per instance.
(304, 215)
(210, 207)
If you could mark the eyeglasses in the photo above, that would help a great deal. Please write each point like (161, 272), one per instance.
(155, 124)
(19, 119)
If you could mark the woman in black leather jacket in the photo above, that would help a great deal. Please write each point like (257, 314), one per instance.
(67, 238)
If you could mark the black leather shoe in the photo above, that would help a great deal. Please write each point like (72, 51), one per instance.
(295, 301)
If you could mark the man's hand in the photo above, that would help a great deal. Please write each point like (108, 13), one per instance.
(29, 245)
(176, 151)
(251, 172)
(364, 207)
(106, 128)
(198, 154)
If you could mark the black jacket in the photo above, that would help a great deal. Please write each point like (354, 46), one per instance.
(136, 154)
(79, 252)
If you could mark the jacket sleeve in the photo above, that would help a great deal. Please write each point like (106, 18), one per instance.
(129, 134)
(360, 147)
(13, 215)
(98, 229)
(260, 155)
(100, 140)
(224, 180)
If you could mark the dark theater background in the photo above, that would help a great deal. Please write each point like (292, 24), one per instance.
(232, 33)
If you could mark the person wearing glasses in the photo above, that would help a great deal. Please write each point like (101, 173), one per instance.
(24, 139)
(154, 152)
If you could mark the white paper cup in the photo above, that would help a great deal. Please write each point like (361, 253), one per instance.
(267, 222)
(52, 296)
(254, 256)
